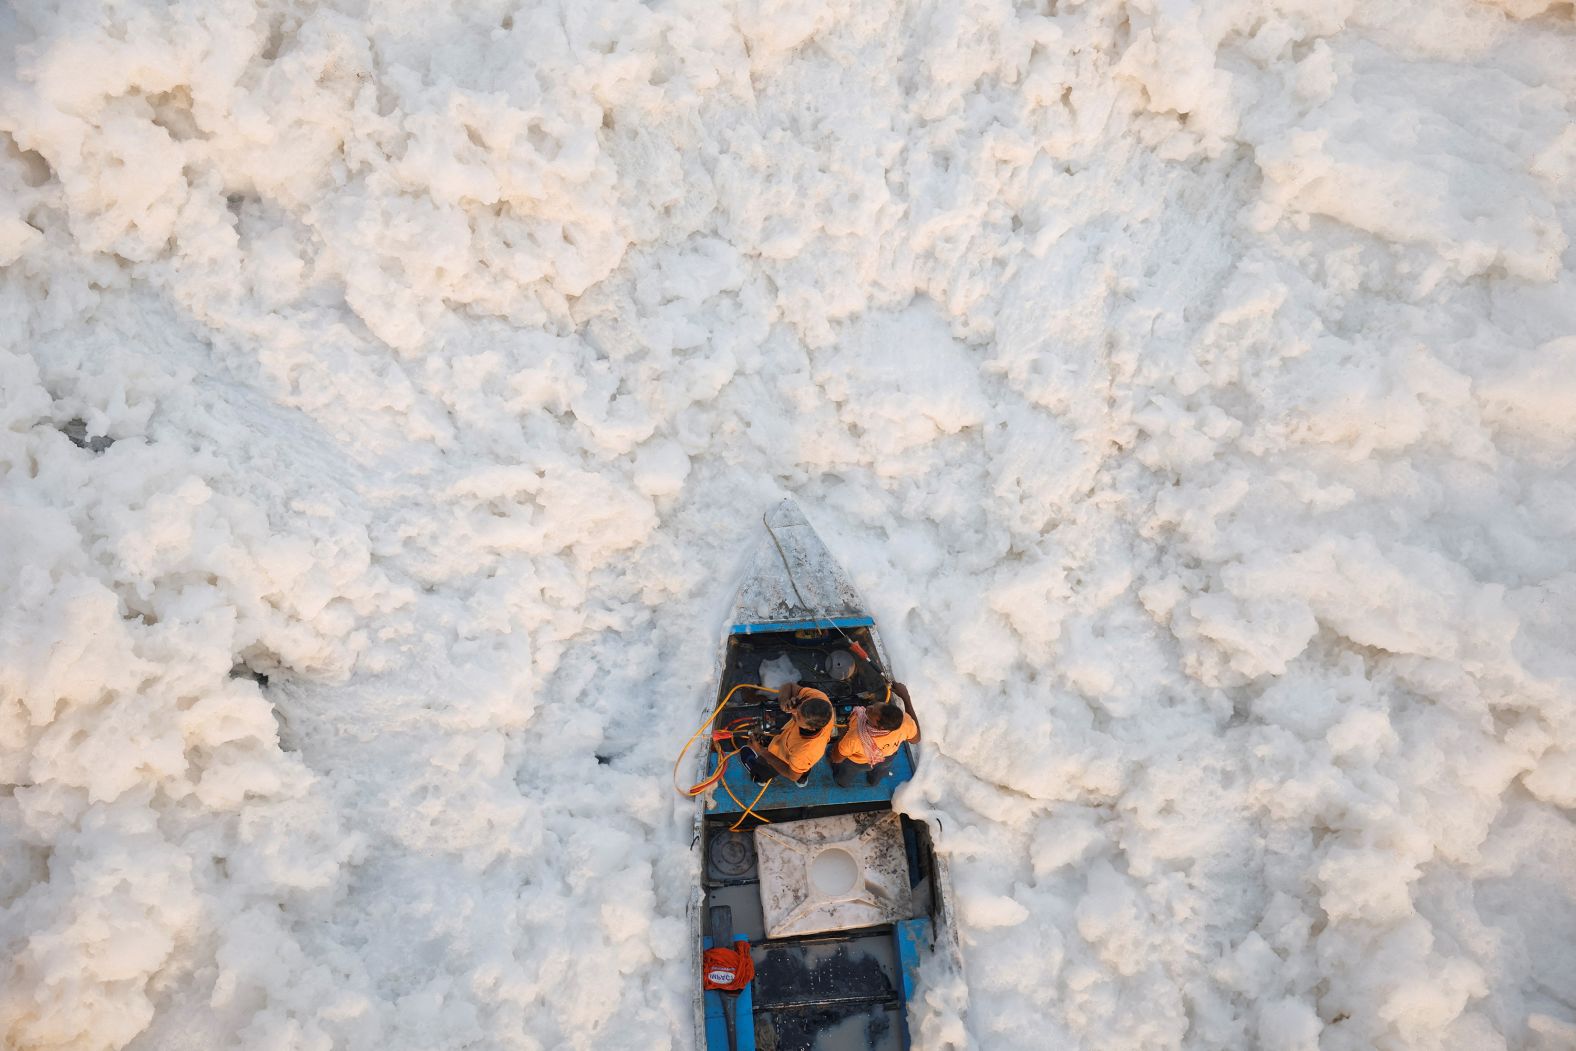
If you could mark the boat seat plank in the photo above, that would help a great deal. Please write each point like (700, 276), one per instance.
(758, 627)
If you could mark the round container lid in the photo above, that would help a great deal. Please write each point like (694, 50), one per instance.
(840, 665)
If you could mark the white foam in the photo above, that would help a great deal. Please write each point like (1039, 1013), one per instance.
(1187, 388)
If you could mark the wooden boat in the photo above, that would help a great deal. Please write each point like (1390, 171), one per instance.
(839, 896)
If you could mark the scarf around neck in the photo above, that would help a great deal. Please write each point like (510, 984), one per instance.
(867, 739)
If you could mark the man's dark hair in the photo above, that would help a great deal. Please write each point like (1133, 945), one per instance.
(886, 717)
(816, 713)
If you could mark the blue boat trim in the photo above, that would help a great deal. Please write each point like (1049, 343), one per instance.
(911, 934)
(800, 625)
(743, 1015)
(821, 791)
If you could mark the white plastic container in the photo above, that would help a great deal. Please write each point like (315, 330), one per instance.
(833, 873)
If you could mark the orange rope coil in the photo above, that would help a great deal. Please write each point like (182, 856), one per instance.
(718, 776)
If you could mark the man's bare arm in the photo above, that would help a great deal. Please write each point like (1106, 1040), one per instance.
(908, 706)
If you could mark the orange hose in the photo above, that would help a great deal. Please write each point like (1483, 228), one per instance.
(695, 790)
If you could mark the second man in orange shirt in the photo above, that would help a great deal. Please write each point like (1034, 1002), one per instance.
(886, 726)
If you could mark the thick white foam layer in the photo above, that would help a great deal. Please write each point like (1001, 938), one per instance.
(1186, 388)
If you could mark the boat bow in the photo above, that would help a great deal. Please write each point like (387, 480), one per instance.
(794, 582)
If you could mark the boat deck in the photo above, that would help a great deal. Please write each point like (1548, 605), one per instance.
(821, 793)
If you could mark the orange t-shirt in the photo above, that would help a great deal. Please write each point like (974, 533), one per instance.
(800, 753)
(848, 746)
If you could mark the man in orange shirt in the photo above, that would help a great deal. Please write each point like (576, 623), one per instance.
(874, 744)
(796, 747)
